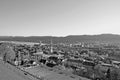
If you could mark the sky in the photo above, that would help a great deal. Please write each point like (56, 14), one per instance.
(59, 17)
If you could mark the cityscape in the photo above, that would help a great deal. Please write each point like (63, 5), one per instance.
(67, 61)
(59, 39)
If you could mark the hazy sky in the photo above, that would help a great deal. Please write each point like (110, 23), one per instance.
(59, 17)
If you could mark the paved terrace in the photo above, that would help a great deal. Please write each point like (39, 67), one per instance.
(53, 74)
(9, 72)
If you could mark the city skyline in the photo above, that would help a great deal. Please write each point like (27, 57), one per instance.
(59, 17)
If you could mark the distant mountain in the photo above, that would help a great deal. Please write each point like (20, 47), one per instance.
(68, 39)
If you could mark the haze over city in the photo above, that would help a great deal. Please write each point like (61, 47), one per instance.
(59, 17)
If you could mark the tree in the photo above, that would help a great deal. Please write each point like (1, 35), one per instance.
(7, 53)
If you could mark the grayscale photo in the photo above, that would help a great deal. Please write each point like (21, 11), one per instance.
(59, 39)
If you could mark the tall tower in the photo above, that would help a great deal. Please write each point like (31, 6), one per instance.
(51, 46)
(40, 43)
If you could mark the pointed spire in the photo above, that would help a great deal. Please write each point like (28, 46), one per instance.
(51, 46)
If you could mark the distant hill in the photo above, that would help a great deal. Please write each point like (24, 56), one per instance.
(68, 39)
